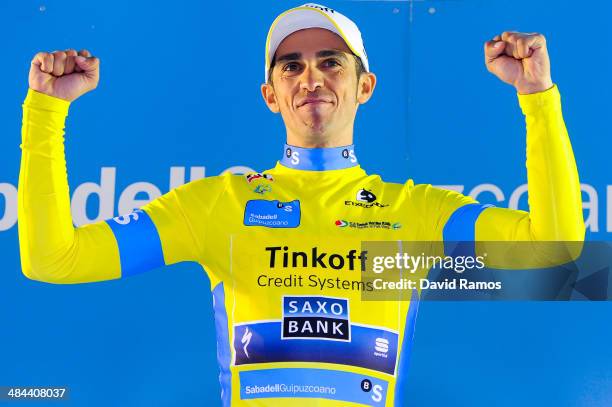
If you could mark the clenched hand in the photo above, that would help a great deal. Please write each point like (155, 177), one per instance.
(520, 59)
(64, 74)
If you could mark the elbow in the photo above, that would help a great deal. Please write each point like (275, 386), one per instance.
(37, 274)
(43, 274)
(561, 245)
(576, 240)
(571, 241)
(573, 232)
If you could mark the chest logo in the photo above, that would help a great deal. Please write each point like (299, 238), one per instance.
(365, 199)
(272, 214)
(306, 317)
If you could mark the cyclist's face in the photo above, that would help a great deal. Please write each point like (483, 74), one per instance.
(314, 83)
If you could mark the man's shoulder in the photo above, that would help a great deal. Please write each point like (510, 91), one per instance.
(425, 191)
(224, 181)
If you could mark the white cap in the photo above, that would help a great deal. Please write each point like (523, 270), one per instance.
(314, 16)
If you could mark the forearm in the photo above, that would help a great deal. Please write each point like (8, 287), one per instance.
(51, 248)
(555, 203)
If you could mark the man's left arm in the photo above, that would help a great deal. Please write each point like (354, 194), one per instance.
(555, 203)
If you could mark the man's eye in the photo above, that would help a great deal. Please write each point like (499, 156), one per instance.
(331, 63)
(291, 67)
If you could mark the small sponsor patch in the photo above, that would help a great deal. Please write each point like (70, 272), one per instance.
(341, 223)
(252, 176)
(262, 189)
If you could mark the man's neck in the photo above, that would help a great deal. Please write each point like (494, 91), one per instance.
(320, 140)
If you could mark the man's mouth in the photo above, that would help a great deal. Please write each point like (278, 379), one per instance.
(313, 101)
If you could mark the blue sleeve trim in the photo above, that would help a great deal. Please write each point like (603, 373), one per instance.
(460, 230)
(223, 344)
(401, 385)
(139, 243)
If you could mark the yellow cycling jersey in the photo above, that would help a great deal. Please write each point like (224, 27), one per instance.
(282, 249)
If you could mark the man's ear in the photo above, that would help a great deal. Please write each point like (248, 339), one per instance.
(365, 88)
(267, 91)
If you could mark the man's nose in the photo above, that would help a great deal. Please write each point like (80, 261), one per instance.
(311, 79)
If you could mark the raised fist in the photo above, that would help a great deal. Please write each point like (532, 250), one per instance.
(64, 74)
(520, 59)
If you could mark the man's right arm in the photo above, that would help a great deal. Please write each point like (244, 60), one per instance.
(52, 249)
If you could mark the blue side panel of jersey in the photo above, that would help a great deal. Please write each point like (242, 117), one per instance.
(401, 385)
(223, 345)
(460, 230)
(139, 243)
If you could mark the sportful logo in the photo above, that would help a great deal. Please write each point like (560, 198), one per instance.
(381, 347)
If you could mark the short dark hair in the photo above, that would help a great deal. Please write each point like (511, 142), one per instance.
(359, 68)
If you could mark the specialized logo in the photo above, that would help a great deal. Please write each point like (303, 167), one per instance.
(250, 177)
(341, 223)
(306, 317)
(272, 214)
(246, 339)
(365, 199)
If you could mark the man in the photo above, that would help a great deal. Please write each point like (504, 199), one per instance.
(281, 247)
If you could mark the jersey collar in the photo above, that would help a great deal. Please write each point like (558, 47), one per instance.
(319, 159)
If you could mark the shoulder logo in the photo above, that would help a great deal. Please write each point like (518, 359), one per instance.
(363, 195)
(365, 199)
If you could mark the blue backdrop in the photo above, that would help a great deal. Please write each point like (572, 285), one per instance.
(179, 94)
